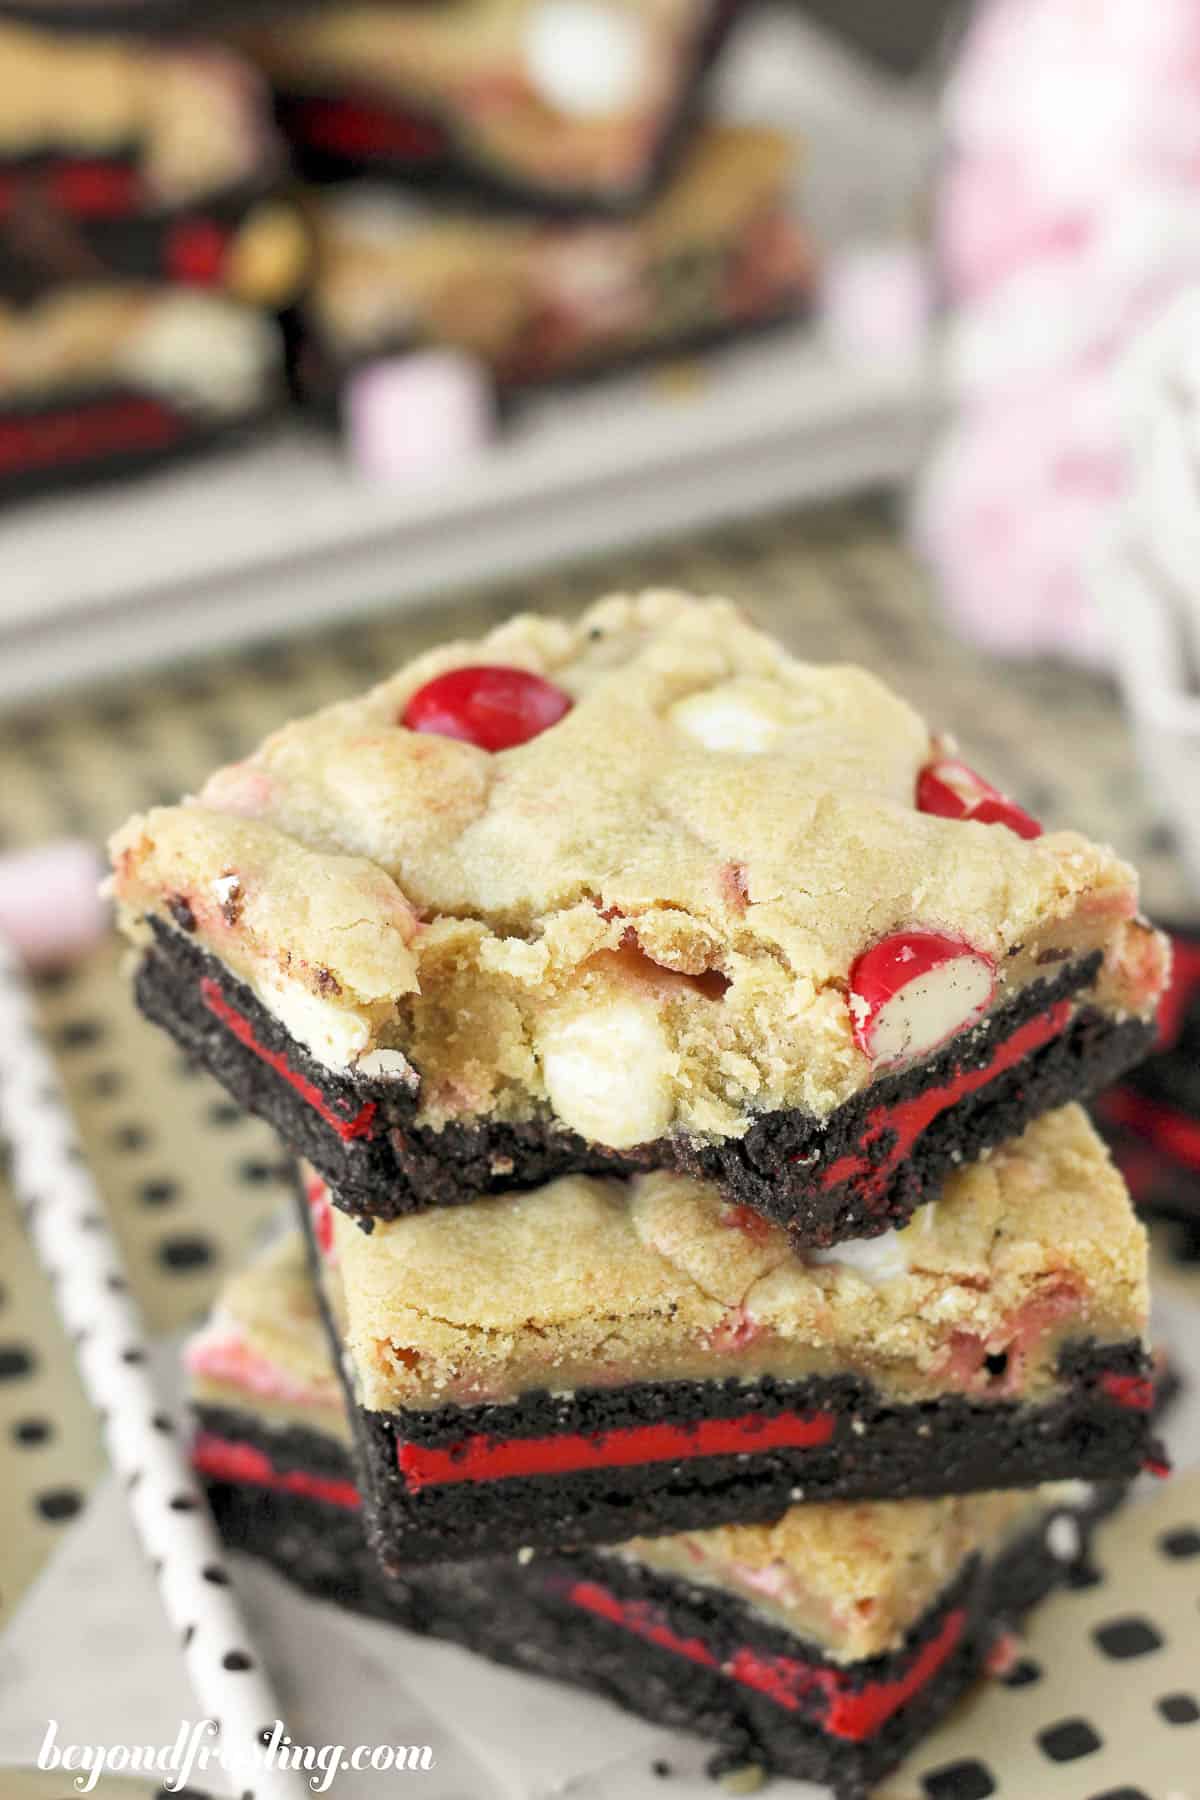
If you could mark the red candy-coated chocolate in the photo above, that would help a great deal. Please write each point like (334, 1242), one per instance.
(493, 707)
(914, 989)
(951, 790)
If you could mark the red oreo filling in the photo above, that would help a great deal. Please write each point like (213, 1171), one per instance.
(909, 1118)
(841, 1709)
(87, 188)
(1172, 1132)
(70, 435)
(360, 130)
(220, 1459)
(485, 1458)
(1133, 1391)
(360, 1126)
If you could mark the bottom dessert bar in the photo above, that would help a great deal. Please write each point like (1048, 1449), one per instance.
(824, 1646)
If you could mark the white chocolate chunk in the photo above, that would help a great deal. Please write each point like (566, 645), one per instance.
(724, 719)
(608, 1072)
(203, 350)
(875, 1259)
(336, 1038)
(386, 1065)
(1064, 1540)
(585, 59)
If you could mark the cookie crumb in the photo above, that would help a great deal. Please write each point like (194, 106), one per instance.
(746, 1780)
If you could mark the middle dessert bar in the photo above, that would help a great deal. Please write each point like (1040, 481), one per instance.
(597, 1359)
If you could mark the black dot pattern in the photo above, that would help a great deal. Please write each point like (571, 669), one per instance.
(16, 1362)
(1182, 1544)
(1069, 1740)
(59, 1504)
(960, 1781)
(1179, 1709)
(1124, 1638)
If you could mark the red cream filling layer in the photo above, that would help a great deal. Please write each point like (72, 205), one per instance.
(85, 188)
(72, 434)
(361, 129)
(841, 1709)
(909, 1118)
(245, 1465)
(483, 1458)
(1174, 1133)
(347, 1129)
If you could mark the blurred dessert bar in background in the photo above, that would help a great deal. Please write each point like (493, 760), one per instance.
(103, 380)
(720, 251)
(152, 161)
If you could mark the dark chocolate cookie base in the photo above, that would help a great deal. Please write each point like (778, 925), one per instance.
(776, 1168)
(457, 170)
(878, 1450)
(519, 1616)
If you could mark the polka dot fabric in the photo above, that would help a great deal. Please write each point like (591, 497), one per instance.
(189, 1182)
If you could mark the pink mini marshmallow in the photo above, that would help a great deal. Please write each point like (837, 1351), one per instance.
(877, 300)
(419, 415)
(50, 905)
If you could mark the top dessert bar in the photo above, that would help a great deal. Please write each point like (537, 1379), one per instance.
(542, 102)
(639, 891)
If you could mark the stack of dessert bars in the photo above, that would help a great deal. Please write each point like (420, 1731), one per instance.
(714, 1292)
(534, 183)
(147, 243)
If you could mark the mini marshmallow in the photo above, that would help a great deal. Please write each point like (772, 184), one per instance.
(50, 905)
(585, 59)
(417, 415)
(877, 300)
(607, 1072)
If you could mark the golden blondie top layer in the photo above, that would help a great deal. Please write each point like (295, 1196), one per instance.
(519, 85)
(642, 920)
(200, 349)
(194, 116)
(588, 1283)
(388, 265)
